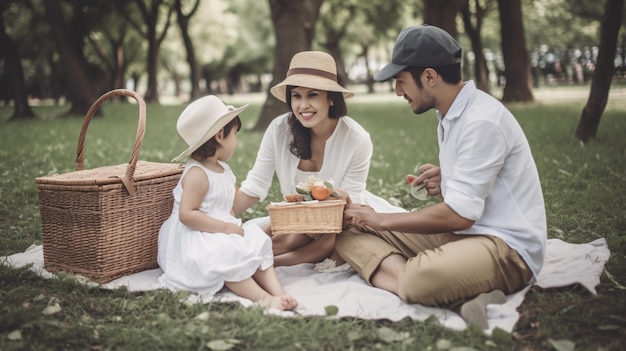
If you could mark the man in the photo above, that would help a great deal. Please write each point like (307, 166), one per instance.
(487, 236)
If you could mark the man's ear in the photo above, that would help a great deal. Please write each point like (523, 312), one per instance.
(429, 76)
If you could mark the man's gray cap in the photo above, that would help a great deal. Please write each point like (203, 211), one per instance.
(421, 46)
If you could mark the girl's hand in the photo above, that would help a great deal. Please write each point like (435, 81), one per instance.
(232, 228)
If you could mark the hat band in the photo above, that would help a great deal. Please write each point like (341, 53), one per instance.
(312, 71)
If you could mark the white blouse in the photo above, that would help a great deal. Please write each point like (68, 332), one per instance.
(347, 158)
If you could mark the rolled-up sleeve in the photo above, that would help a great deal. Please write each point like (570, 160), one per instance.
(474, 168)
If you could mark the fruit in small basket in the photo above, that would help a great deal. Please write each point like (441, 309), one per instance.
(315, 189)
(320, 192)
(294, 198)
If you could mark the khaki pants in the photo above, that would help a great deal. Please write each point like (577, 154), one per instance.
(441, 269)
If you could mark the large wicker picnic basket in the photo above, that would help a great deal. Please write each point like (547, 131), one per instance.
(103, 223)
(323, 217)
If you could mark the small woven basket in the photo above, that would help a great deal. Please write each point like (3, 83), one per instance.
(104, 223)
(323, 217)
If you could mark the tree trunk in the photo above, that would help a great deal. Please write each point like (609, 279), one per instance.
(81, 91)
(332, 46)
(442, 13)
(151, 14)
(152, 91)
(294, 27)
(603, 73)
(516, 61)
(480, 63)
(369, 77)
(194, 69)
(14, 70)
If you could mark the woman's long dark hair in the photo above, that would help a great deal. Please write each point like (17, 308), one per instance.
(300, 146)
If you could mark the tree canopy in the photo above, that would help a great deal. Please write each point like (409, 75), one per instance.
(75, 50)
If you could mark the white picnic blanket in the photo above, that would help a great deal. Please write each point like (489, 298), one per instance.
(565, 264)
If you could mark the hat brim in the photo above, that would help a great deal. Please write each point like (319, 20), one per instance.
(388, 72)
(215, 128)
(309, 81)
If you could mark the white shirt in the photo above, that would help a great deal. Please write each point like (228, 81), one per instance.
(488, 174)
(346, 162)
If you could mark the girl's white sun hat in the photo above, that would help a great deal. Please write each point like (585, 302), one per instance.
(203, 119)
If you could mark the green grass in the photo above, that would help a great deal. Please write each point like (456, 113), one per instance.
(585, 194)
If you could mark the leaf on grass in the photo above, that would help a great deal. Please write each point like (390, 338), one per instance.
(562, 171)
(444, 344)
(221, 345)
(331, 310)
(15, 335)
(562, 345)
(204, 316)
(609, 327)
(52, 309)
(354, 335)
(389, 335)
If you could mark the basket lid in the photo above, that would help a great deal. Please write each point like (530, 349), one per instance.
(111, 174)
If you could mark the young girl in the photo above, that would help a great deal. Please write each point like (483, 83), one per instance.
(202, 246)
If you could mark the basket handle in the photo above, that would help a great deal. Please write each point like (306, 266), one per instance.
(127, 179)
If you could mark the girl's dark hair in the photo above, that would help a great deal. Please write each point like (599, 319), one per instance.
(450, 74)
(208, 149)
(300, 146)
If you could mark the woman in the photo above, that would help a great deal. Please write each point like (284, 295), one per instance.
(315, 138)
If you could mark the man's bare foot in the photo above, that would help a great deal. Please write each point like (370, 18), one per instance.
(282, 302)
(475, 311)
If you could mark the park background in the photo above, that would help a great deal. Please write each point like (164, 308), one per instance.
(540, 57)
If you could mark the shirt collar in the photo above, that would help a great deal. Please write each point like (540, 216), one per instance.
(460, 102)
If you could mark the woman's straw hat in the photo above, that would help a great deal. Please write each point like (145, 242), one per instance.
(311, 69)
(203, 119)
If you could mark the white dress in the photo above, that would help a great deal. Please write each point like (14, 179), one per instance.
(201, 262)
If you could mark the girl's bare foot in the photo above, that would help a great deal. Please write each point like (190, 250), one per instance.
(283, 302)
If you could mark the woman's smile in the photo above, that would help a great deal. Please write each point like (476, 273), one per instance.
(307, 115)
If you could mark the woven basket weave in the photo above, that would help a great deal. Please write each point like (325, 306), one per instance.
(323, 217)
(103, 223)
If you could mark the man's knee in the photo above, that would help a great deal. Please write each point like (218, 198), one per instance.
(425, 286)
(345, 241)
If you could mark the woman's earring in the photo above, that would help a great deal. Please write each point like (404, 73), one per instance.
(331, 103)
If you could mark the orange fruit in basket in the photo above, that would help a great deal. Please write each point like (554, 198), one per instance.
(319, 192)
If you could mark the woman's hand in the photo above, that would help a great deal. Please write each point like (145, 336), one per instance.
(343, 194)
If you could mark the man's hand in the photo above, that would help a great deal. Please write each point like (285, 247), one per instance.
(361, 217)
(431, 175)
